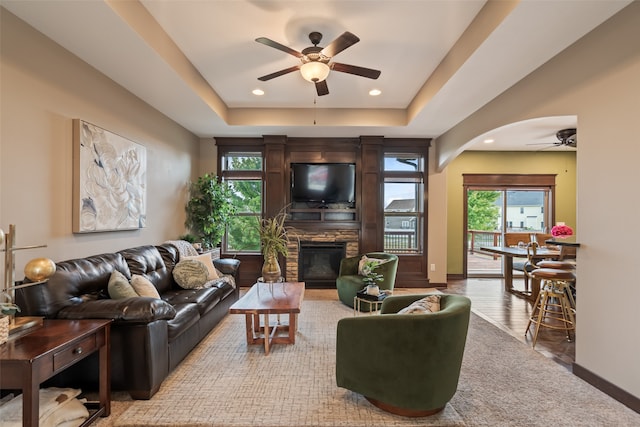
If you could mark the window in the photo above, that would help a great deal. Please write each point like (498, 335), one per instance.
(403, 202)
(243, 172)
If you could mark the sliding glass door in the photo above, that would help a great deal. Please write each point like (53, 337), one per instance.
(492, 210)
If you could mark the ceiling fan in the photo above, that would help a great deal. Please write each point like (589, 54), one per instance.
(566, 137)
(316, 61)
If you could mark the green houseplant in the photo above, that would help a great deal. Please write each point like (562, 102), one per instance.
(209, 209)
(8, 309)
(274, 239)
(371, 278)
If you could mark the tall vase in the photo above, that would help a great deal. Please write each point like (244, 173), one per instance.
(271, 269)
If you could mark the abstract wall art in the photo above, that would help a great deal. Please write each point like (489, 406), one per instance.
(109, 180)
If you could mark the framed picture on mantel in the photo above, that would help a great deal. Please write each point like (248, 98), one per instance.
(109, 180)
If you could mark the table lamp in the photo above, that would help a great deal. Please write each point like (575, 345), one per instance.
(38, 270)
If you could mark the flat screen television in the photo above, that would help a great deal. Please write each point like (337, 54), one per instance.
(323, 182)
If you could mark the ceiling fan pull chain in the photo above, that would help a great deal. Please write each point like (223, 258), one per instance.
(315, 110)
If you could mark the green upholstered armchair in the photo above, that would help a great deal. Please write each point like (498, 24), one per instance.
(349, 282)
(407, 364)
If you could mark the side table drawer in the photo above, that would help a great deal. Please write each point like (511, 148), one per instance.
(74, 352)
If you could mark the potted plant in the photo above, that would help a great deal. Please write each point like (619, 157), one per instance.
(371, 278)
(274, 239)
(7, 309)
(209, 209)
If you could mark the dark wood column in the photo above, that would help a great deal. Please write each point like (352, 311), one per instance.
(275, 179)
(370, 189)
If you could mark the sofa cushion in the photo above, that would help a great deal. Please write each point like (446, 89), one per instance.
(131, 310)
(205, 298)
(428, 304)
(147, 261)
(143, 286)
(72, 280)
(119, 286)
(190, 274)
(207, 261)
(366, 265)
(186, 316)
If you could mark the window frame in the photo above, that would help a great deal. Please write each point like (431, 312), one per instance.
(417, 177)
(242, 175)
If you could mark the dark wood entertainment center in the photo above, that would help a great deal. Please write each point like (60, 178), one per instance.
(366, 217)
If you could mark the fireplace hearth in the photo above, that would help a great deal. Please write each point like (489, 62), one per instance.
(319, 263)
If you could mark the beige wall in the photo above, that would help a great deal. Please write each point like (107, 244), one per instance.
(43, 87)
(436, 224)
(562, 164)
(208, 156)
(598, 80)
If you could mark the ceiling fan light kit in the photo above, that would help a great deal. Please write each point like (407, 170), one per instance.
(314, 71)
(316, 65)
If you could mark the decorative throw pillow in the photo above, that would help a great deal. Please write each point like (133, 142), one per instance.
(144, 287)
(190, 274)
(119, 286)
(208, 262)
(366, 264)
(428, 304)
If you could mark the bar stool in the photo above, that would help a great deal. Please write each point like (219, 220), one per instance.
(562, 265)
(555, 302)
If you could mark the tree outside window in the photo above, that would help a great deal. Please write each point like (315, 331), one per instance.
(243, 173)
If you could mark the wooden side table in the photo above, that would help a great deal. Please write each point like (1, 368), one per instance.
(29, 360)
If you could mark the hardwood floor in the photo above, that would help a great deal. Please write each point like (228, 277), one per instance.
(511, 313)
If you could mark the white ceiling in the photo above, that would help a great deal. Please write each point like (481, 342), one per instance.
(441, 60)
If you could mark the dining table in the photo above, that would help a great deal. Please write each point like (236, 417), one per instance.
(508, 254)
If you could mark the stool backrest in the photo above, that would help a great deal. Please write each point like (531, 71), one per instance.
(512, 239)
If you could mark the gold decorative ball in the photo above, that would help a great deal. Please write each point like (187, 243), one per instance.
(39, 269)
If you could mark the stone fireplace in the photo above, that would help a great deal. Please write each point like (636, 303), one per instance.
(321, 253)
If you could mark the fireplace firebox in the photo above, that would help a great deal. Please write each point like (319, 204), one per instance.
(319, 263)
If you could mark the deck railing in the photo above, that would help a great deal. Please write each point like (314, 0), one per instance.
(400, 242)
(479, 238)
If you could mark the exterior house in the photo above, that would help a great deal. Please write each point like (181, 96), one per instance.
(524, 211)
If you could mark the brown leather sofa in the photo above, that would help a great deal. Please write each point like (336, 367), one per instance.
(149, 336)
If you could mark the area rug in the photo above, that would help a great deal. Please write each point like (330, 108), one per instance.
(224, 382)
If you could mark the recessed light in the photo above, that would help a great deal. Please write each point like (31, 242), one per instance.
(375, 92)
(258, 92)
(488, 141)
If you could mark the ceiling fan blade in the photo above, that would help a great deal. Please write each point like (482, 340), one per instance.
(279, 46)
(279, 73)
(322, 88)
(341, 43)
(358, 71)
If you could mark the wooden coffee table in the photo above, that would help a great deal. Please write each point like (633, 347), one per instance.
(267, 299)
